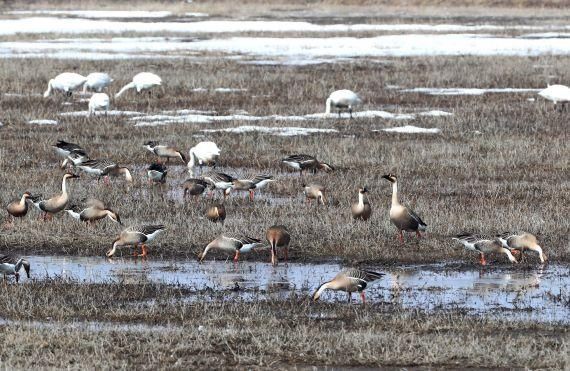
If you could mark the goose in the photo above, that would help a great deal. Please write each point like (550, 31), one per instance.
(484, 246)
(75, 158)
(238, 243)
(404, 218)
(349, 280)
(314, 192)
(65, 82)
(203, 154)
(94, 210)
(10, 264)
(105, 168)
(98, 101)
(249, 185)
(342, 100)
(521, 242)
(216, 213)
(164, 151)
(362, 210)
(306, 162)
(156, 173)
(64, 149)
(194, 186)
(556, 94)
(278, 236)
(56, 203)
(220, 181)
(137, 235)
(18, 209)
(141, 81)
(97, 81)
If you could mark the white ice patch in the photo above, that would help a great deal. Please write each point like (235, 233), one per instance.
(99, 13)
(467, 91)
(409, 129)
(281, 131)
(109, 113)
(43, 122)
(436, 113)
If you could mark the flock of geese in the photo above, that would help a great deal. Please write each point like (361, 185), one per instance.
(206, 154)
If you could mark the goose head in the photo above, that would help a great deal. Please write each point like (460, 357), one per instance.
(150, 145)
(363, 190)
(70, 176)
(114, 216)
(326, 167)
(390, 177)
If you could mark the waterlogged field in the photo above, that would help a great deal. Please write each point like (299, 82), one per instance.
(450, 105)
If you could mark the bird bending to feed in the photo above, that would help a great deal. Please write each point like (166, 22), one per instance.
(216, 213)
(163, 151)
(10, 264)
(239, 243)
(220, 181)
(194, 186)
(134, 236)
(278, 236)
(18, 209)
(521, 242)
(314, 192)
(141, 81)
(404, 218)
(92, 211)
(556, 94)
(75, 158)
(56, 203)
(203, 154)
(250, 185)
(306, 162)
(64, 149)
(342, 100)
(156, 173)
(65, 82)
(98, 101)
(484, 246)
(105, 168)
(349, 280)
(97, 81)
(362, 210)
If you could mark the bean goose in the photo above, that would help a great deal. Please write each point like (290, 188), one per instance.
(194, 186)
(278, 236)
(314, 192)
(18, 209)
(361, 210)
(306, 162)
(522, 242)
(350, 280)
(11, 264)
(237, 243)
(93, 211)
(250, 185)
(163, 151)
(156, 173)
(56, 203)
(216, 213)
(484, 246)
(135, 236)
(404, 218)
(105, 168)
(220, 181)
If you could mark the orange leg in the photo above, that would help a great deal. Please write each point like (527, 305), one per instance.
(135, 253)
(144, 251)
(482, 259)
(418, 234)
(236, 257)
(251, 195)
(363, 297)
(401, 235)
(273, 257)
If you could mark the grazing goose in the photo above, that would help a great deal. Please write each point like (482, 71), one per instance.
(141, 81)
(342, 100)
(216, 213)
(314, 192)
(278, 236)
(250, 185)
(483, 246)
(156, 173)
(164, 151)
(556, 94)
(105, 168)
(18, 209)
(98, 101)
(194, 186)
(404, 218)
(220, 181)
(65, 82)
(349, 280)
(521, 242)
(94, 210)
(97, 81)
(10, 264)
(59, 202)
(203, 154)
(134, 236)
(238, 243)
(361, 210)
(64, 149)
(306, 162)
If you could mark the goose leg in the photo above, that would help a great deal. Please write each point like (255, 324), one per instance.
(251, 195)
(135, 253)
(144, 251)
(350, 111)
(418, 234)
(401, 236)
(482, 259)
(363, 297)
(349, 297)
(236, 257)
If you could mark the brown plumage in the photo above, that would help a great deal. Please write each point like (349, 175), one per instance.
(350, 280)
(361, 210)
(521, 242)
(233, 242)
(194, 187)
(216, 213)
(134, 236)
(278, 236)
(58, 202)
(306, 162)
(314, 192)
(163, 151)
(18, 209)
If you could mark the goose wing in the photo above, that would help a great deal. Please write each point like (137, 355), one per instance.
(361, 275)
(415, 217)
(301, 159)
(8, 259)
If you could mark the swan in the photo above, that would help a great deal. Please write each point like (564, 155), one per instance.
(141, 81)
(203, 153)
(97, 81)
(342, 100)
(556, 94)
(65, 82)
(98, 101)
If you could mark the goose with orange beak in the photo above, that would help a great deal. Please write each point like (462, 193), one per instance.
(350, 280)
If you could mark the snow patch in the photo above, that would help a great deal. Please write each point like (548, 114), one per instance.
(409, 129)
(109, 113)
(43, 122)
(281, 131)
(467, 91)
(436, 113)
(98, 13)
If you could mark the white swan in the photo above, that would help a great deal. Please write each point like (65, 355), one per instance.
(97, 81)
(65, 82)
(98, 101)
(141, 81)
(342, 100)
(203, 153)
(556, 94)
